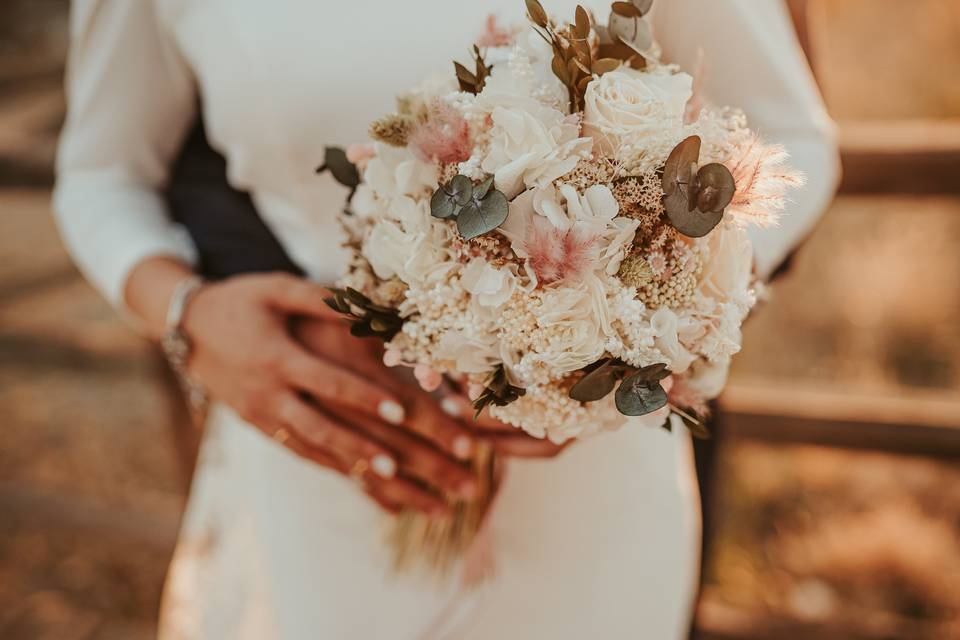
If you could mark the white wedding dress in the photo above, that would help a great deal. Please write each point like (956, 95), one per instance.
(602, 542)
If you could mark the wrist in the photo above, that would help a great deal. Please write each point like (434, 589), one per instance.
(149, 290)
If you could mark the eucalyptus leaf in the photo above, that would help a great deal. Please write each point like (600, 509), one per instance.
(480, 191)
(478, 217)
(361, 330)
(676, 172)
(357, 298)
(596, 385)
(343, 171)
(460, 188)
(716, 187)
(653, 373)
(638, 397)
(691, 223)
(443, 205)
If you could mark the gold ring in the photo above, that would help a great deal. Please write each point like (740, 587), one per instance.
(359, 470)
(281, 435)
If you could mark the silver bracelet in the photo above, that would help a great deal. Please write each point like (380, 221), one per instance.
(176, 343)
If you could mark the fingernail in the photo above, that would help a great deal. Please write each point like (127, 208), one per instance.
(450, 407)
(391, 411)
(462, 447)
(383, 465)
(438, 512)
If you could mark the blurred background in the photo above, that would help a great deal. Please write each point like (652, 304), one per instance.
(838, 509)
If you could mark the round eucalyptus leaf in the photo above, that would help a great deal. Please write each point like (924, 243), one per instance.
(678, 169)
(460, 189)
(479, 217)
(637, 397)
(692, 223)
(653, 373)
(716, 187)
(596, 385)
(442, 204)
(480, 191)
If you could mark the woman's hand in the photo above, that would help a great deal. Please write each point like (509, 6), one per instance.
(333, 403)
(245, 355)
(427, 416)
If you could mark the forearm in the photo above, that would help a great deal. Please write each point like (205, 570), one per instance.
(148, 290)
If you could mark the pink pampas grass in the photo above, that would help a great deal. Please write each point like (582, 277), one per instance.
(444, 137)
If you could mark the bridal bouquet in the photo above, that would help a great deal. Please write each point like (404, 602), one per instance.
(561, 227)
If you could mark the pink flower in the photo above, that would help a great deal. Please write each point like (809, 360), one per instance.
(494, 35)
(762, 182)
(444, 137)
(361, 154)
(428, 377)
(557, 254)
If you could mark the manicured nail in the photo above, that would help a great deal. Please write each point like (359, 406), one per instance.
(391, 411)
(462, 447)
(450, 407)
(383, 465)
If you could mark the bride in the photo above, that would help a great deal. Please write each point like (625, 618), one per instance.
(307, 440)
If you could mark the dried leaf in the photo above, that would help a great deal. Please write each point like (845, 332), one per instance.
(536, 13)
(605, 65)
(716, 188)
(626, 9)
(581, 28)
(677, 168)
(343, 171)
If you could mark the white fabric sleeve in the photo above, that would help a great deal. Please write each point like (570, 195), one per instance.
(750, 58)
(130, 99)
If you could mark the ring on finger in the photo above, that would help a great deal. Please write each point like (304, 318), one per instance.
(281, 435)
(359, 470)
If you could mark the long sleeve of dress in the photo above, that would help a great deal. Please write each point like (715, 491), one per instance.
(130, 100)
(750, 58)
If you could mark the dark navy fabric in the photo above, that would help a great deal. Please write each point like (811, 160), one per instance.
(230, 235)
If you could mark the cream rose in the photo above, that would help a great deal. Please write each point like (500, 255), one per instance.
(626, 105)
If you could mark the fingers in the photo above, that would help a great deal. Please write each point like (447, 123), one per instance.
(298, 296)
(521, 445)
(404, 494)
(416, 458)
(329, 383)
(393, 495)
(319, 431)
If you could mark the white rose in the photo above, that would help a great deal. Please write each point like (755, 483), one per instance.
(397, 172)
(531, 145)
(627, 105)
(490, 286)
